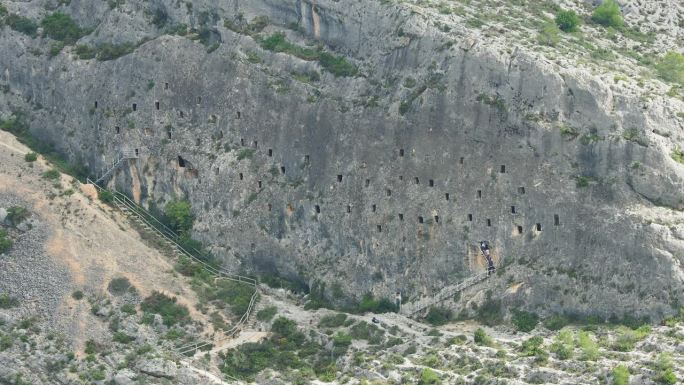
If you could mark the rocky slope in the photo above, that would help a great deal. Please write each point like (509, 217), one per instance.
(375, 163)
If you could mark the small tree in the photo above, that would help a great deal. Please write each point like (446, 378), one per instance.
(608, 14)
(621, 375)
(671, 68)
(567, 21)
(179, 216)
(62, 27)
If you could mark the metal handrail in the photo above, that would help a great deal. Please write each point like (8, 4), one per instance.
(121, 199)
(444, 295)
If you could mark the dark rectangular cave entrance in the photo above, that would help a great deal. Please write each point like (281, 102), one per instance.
(512, 209)
(417, 180)
(470, 217)
(318, 209)
(270, 152)
(181, 113)
(521, 190)
(401, 217)
(489, 222)
(503, 169)
(241, 176)
(199, 100)
(306, 159)
(270, 207)
(367, 182)
(538, 227)
(460, 161)
(556, 220)
(348, 209)
(401, 152)
(401, 177)
(282, 169)
(135, 107)
(374, 208)
(446, 196)
(260, 184)
(379, 229)
(520, 229)
(117, 129)
(242, 141)
(436, 218)
(181, 161)
(339, 178)
(256, 144)
(166, 86)
(96, 104)
(431, 183)
(156, 105)
(389, 192)
(479, 193)
(420, 219)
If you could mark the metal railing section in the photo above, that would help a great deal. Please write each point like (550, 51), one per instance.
(124, 203)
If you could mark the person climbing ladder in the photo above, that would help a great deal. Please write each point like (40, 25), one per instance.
(484, 247)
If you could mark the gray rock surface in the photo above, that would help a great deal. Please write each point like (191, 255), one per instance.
(345, 180)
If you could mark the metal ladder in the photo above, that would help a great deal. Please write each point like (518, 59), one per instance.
(149, 222)
(123, 156)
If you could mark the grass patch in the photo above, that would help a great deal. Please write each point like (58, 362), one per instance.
(671, 68)
(52, 174)
(620, 375)
(31, 157)
(22, 24)
(16, 215)
(172, 313)
(237, 295)
(245, 153)
(77, 295)
(608, 14)
(480, 337)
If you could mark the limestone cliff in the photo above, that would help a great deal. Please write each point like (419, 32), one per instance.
(384, 141)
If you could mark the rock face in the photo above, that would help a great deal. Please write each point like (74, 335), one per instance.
(384, 180)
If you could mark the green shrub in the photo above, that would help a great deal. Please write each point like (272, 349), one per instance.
(342, 339)
(6, 342)
(678, 155)
(490, 313)
(119, 286)
(532, 346)
(525, 321)
(627, 338)
(481, 338)
(109, 51)
(166, 307)
(7, 302)
(608, 14)
(31, 157)
(128, 308)
(77, 295)
(590, 349)
(266, 314)
(429, 377)
(549, 34)
(16, 215)
(337, 65)
(278, 43)
(564, 345)
(245, 153)
(51, 174)
(567, 21)
(105, 196)
(179, 216)
(620, 375)
(62, 27)
(22, 24)
(671, 68)
(5, 242)
(370, 304)
(332, 320)
(664, 370)
(85, 52)
(236, 294)
(438, 315)
(122, 338)
(368, 332)
(556, 322)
